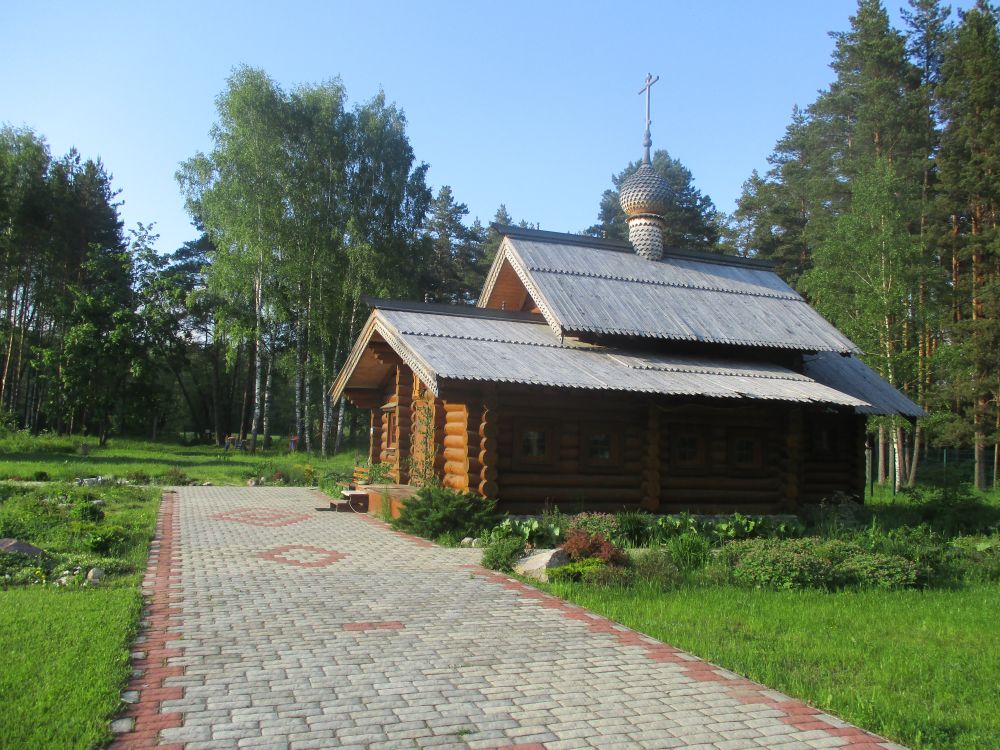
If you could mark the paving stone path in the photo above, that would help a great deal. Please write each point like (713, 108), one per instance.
(275, 625)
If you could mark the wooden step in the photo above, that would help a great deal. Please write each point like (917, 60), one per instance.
(353, 502)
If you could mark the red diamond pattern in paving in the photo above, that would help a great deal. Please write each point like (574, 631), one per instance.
(266, 517)
(303, 555)
(406, 644)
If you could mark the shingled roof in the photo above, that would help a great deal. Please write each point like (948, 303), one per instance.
(583, 285)
(454, 344)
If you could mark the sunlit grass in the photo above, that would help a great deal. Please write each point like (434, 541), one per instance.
(160, 462)
(919, 667)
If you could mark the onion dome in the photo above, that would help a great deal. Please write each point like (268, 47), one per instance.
(646, 197)
(645, 192)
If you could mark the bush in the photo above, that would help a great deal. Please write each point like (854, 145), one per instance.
(657, 567)
(139, 477)
(773, 564)
(174, 476)
(434, 511)
(575, 572)
(635, 529)
(604, 524)
(871, 569)
(534, 532)
(106, 539)
(580, 545)
(502, 552)
(689, 551)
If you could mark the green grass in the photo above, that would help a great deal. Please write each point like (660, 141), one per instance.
(919, 667)
(65, 661)
(66, 650)
(27, 458)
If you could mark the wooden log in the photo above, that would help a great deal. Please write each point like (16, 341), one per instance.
(455, 441)
(651, 475)
(455, 468)
(488, 488)
(542, 481)
(455, 454)
(735, 497)
(569, 493)
(455, 482)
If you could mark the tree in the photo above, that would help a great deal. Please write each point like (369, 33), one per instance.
(969, 162)
(864, 275)
(692, 222)
(455, 269)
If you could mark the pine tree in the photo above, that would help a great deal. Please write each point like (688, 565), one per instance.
(969, 101)
(692, 223)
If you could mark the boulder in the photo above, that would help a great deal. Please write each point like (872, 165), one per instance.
(537, 564)
(16, 546)
(467, 542)
(95, 576)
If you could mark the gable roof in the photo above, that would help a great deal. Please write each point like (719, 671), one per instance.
(453, 344)
(587, 285)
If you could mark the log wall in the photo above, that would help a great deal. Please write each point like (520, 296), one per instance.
(713, 482)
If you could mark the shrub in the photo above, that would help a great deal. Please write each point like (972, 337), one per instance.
(139, 477)
(87, 508)
(871, 569)
(604, 524)
(667, 527)
(174, 476)
(434, 511)
(657, 567)
(773, 564)
(534, 532)
(635, 529)
(577, 571)
(689, 551)
(40, 476)
(106, 539)
(580, 545)
(501, 553)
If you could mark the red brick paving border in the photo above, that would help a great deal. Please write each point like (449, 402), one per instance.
(797, 714)
(161, 614)
(330, 556)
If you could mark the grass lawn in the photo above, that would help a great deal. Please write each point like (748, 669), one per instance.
(919, 667)
(65, 660)
(162, 462)
(65, 651)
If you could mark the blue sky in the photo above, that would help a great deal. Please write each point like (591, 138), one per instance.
(530, 104)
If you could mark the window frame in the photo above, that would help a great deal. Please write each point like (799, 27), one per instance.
(547, 429)
(700, 462)
(615, 432)
(757, 447)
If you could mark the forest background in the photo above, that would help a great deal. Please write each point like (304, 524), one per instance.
(881, 205)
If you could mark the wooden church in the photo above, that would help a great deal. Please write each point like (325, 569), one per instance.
(605, 375)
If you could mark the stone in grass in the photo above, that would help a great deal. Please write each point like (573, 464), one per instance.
(466, 542)
(122, 726)
(16, 546)
(95, 576)
(537, 564)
